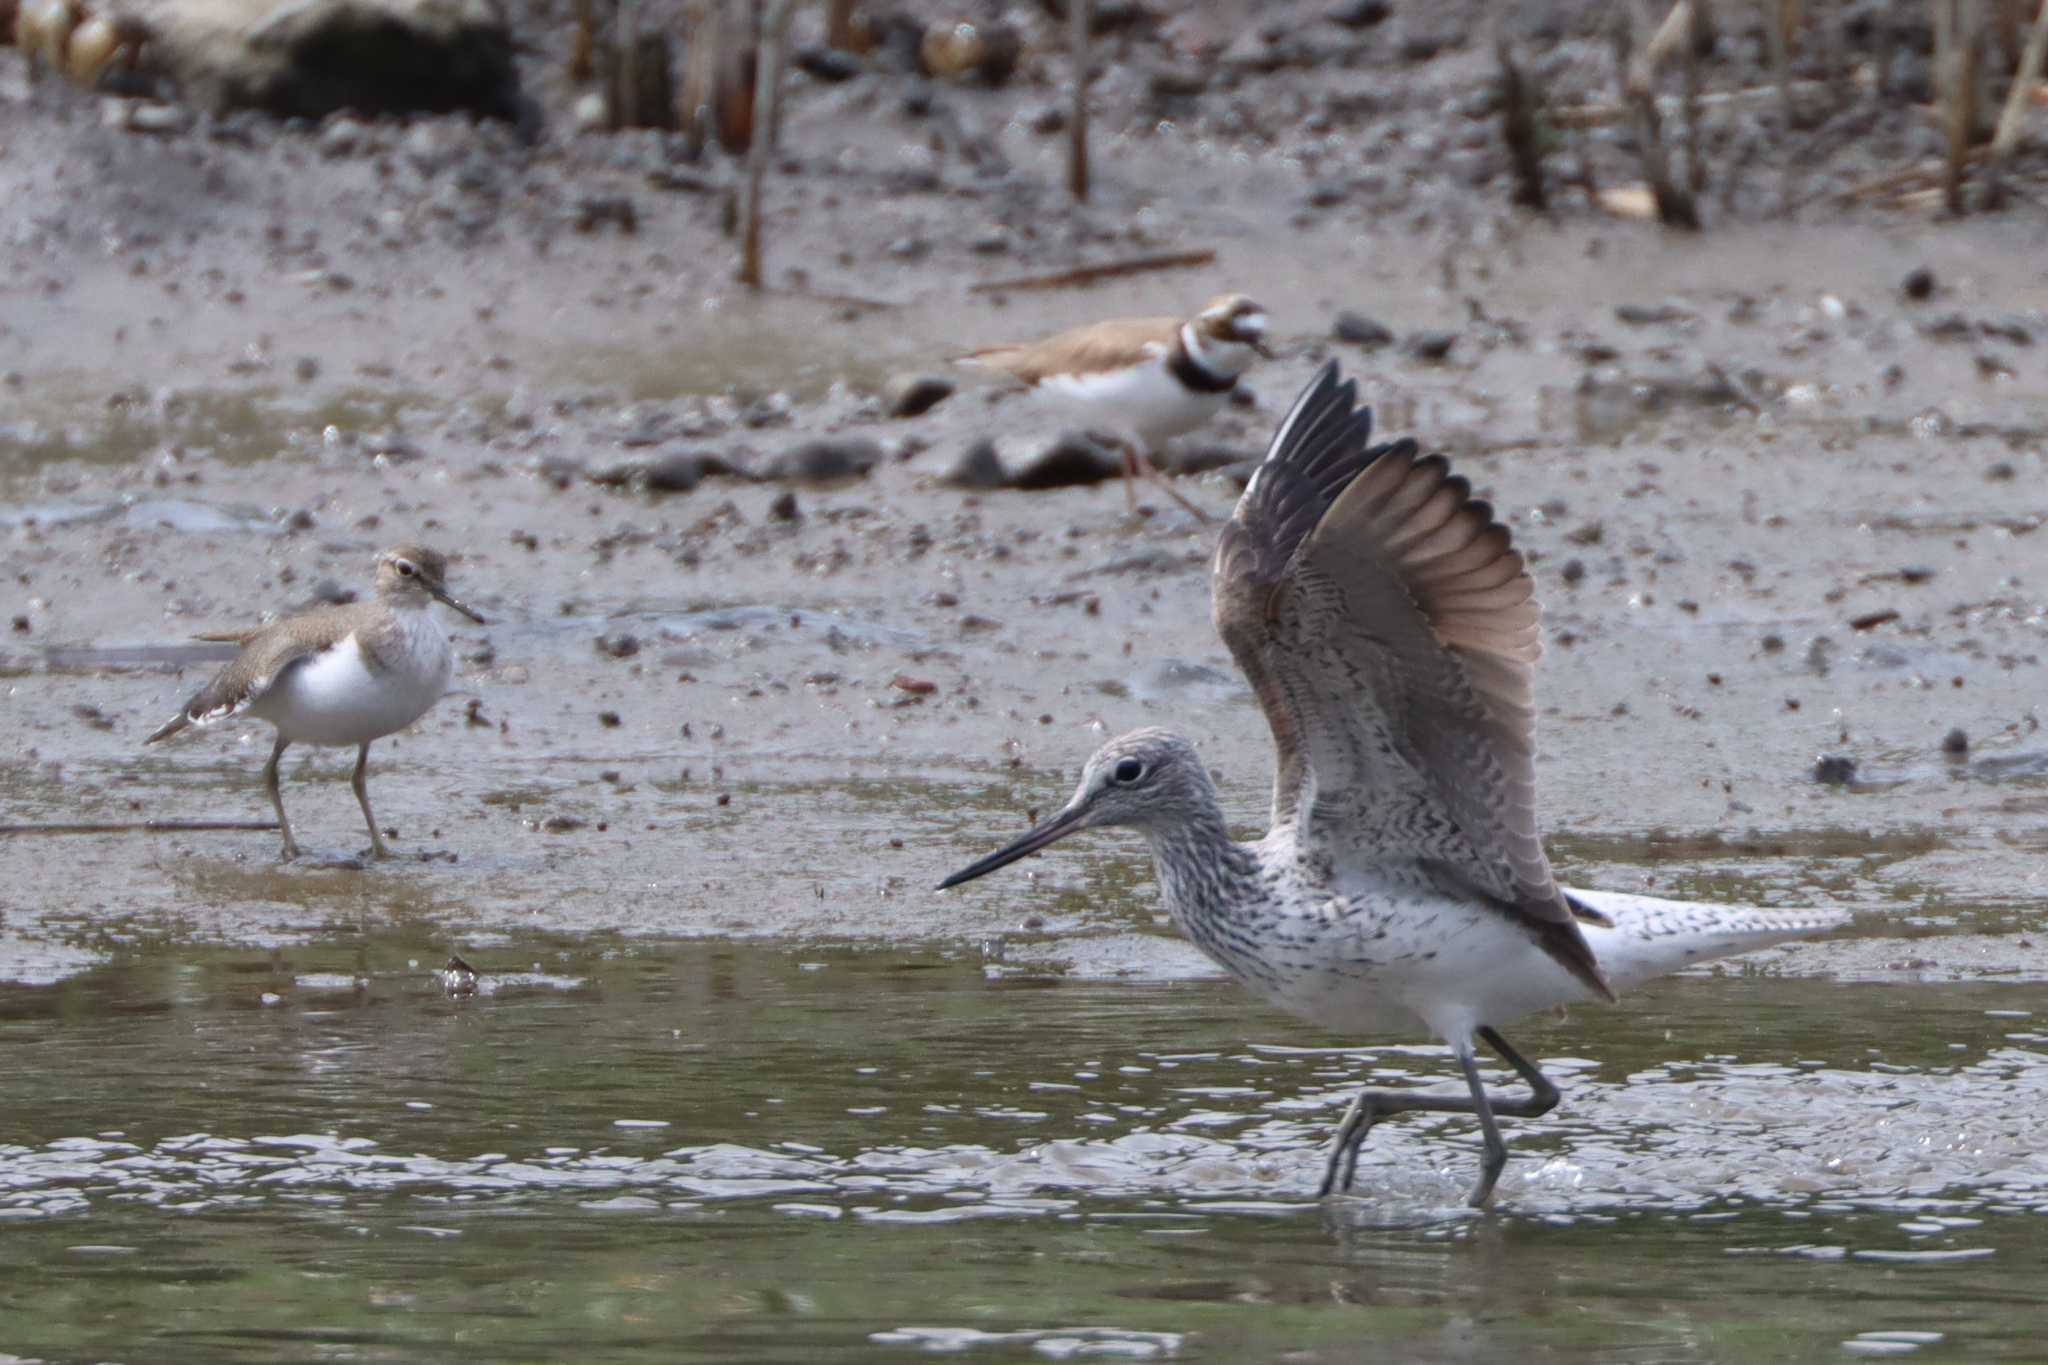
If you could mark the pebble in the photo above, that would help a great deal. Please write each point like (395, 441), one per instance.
(1919, 284)
(684, 470)
(1434, 347)
(784, 507)
(826, 459)
(979, 468)
(1072, 460)
(1834, 770)
(913, 395)
(620, 645)
(828, 64)
(1359, 13)
(1360, 330)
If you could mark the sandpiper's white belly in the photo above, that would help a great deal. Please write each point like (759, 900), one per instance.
(1144, 401)
(335, 698)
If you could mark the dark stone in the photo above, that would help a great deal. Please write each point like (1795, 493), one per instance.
(1955, 743)
(784, 507)
(1360, 330)
(913, 395)
(1357, 14)
(1165, 83)
(1073, 460)
(683, 471)
(828, 64)
(979, 468)
(1433, 347)
(622, 645)
(828, 459)
(1833, 770)
(1919, 284)
(374, 59)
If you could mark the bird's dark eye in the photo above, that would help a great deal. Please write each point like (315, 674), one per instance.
(406, 570)
(1128, 770)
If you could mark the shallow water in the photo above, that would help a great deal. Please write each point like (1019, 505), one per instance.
(654, 1150)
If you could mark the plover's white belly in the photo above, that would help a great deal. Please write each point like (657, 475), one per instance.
(333, 698)
(1145, 401)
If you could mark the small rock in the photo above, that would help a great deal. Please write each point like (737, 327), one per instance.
(913, 395)
(908, 248)
(1359, 13)
(1175, 82)
(1360, 330)
(1045, 120)
(684, 470)
(609, 719)
(1423, 45)
(1072, 460)
(994, 241)
(828, 459)
(979, 468)
(917, 687)
(1919, 284)
(1328, 193)
(1433, 347)
(771, 410)
(1834, 770)
(1573, 570)
(619, 645)
(828, 64)
(784, 507)
(1955, 743)
(151, 117)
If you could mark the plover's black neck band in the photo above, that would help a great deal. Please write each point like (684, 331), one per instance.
(1194, 376)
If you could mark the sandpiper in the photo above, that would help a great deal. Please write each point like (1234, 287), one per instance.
(1143, 380)
(339, 675)
(1389, 630)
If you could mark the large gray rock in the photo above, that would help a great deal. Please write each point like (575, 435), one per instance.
(310, 58)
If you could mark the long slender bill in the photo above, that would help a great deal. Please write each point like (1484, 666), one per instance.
(447, 598)
(1061, 825)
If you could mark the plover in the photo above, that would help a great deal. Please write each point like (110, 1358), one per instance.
(339, 675)
(1142, 380)
(1389, 630)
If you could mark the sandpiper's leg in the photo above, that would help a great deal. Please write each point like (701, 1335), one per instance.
(1373, 1105)
(1129, 453)
(362, 785)
(291, 845)
(1138, 460)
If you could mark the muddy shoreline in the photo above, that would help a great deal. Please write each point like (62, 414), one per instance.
(1779, 511)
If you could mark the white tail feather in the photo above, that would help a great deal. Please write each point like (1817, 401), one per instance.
(1653, 937)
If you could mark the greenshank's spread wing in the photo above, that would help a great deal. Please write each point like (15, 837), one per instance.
(1389, 629)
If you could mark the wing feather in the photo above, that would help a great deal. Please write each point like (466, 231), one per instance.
(1391, 632)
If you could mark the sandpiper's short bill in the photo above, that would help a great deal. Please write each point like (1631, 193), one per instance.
(1388, 628)
(339, 675)
(1142, 380)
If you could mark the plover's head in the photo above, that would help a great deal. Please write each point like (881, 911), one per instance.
(413, 576)
(1151, 779)
(1228, 332)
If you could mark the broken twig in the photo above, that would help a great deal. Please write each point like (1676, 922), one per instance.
(1089, 274)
